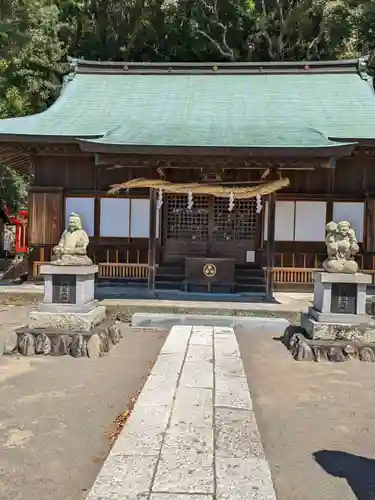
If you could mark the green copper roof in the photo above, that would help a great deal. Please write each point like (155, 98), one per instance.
(258, 109)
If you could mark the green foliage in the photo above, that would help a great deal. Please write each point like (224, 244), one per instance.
(13, 188)
(31, 56)
(37, 35)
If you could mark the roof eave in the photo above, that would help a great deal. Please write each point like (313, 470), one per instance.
(55, 139)
(334, 151)
(124, 67)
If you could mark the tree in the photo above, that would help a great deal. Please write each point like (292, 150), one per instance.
(31, 57)
(299, 29)
(13, 188)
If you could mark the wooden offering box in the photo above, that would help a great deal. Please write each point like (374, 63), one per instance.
(205, 274)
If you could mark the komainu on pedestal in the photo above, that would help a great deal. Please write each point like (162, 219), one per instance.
(69, 320)
(336, 327)
(342, 246)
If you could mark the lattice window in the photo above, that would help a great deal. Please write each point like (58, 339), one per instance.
(238, 225)
(183, 223)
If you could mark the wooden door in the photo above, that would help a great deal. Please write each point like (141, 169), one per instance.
(45, 217)
(185, 232)
(208, 229)
(234, 232)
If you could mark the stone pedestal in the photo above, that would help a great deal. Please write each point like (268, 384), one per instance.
(69, 320)
(69, 302)
(337, 322)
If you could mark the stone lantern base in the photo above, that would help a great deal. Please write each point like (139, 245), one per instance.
(336, 327)
(69, 320)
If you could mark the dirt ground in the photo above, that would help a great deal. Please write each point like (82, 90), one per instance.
(55, 413)
(317, 421)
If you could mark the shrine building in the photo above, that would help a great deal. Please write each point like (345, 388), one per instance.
(202, 177)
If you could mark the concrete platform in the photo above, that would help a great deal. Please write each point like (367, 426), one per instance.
(155, 320)
(193, 433)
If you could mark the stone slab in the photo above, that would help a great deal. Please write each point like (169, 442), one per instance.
(334, 331)
(176, 496)
(198, 374)
(345, 319)
(187, 437)
(240, 479)
(192, 406)
(76, 270)
(68, 308)
(168, 364)
(231, 389)
(237, 434)
(324, 277)
(177, 340)
(137, 439)
(185, 473)
(161, 320)
(79, 322)
(229, 367)
(123, 478)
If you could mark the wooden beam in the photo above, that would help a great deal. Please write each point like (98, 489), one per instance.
(270, 245)
(152, 242)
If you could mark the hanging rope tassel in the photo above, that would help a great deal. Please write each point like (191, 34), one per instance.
(159, 202)
(231, 202)
(190, 200)
(259, 204)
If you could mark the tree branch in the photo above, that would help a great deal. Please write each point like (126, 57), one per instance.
(227, 52)
(222, 47)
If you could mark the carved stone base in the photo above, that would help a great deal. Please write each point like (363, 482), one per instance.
(305, 349)
(82, 322)
(29, 341)
(335, 328)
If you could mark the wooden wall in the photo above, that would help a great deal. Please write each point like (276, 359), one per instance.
(56, 176)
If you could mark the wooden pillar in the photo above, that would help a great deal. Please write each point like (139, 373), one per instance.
(270, 244)
(152, 242)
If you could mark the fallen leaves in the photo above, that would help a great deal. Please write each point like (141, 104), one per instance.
(120, 421)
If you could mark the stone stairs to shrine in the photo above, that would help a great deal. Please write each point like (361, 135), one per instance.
(170, 276)
(249, 278)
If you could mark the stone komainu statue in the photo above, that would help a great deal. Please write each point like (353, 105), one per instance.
(72, 247)
(342, 247)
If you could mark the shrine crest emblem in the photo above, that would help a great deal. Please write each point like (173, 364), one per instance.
(209, 270)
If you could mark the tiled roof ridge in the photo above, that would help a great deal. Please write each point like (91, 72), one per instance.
(291, 67)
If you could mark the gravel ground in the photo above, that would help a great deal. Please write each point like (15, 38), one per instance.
(55, 413)
(316, 421)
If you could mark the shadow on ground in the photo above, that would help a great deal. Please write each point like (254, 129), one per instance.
(358, 471)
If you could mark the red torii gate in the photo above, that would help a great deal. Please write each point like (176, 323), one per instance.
(20, 220)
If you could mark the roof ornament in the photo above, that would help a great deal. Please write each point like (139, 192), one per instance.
(362, 68)
(73, 64)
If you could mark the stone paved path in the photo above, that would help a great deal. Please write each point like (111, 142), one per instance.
(192, 434)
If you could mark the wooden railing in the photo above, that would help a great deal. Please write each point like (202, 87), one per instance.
(303, 260)
(293, 276)
(110, 270)
(36, 268)
(123, 271)
(300, 276)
